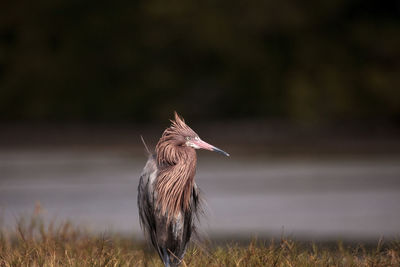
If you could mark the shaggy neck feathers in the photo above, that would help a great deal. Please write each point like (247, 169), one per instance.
(177, 167)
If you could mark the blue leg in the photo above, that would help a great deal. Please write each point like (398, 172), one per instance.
(166, 257)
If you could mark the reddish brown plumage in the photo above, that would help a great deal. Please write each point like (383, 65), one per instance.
(177, 165)
(168, 198)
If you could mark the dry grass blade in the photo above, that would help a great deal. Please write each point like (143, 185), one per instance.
(34, 243)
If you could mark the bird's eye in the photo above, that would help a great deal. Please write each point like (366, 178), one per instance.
(188, 138)
(197, 138)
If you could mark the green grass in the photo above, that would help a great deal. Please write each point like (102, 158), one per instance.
(34, 243)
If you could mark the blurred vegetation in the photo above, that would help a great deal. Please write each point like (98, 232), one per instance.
(140, 60)
(34, 243)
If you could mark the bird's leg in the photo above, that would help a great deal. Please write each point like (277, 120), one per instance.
(166, 257)
(179, 260)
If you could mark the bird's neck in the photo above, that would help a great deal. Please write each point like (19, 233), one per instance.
(175, 180)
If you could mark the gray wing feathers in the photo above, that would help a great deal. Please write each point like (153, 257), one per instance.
(146, 202)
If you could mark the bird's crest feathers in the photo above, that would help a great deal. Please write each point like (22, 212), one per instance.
(179, 126)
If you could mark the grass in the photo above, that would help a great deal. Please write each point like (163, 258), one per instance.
(34, 243)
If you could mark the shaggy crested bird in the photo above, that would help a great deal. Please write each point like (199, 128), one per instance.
(168, 197)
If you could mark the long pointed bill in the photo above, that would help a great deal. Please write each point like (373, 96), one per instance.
(203, 145)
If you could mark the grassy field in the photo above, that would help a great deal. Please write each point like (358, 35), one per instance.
(34, 243)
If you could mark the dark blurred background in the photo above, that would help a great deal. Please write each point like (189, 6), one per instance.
(136, 61)
(304, 95)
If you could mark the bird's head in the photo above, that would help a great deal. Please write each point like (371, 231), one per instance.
(181, 135)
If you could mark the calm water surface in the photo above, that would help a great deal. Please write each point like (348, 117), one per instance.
(314, 198)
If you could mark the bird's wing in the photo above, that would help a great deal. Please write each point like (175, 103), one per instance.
(146, 201)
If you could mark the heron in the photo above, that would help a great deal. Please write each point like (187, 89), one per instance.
(168, 197)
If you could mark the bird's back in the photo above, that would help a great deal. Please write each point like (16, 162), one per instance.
(168, 236)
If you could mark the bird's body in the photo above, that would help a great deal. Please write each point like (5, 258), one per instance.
(169, 236)
(168, 197)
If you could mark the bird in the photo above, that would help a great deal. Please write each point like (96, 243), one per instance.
(168, 197)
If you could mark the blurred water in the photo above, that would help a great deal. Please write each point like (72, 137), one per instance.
(314, 198)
